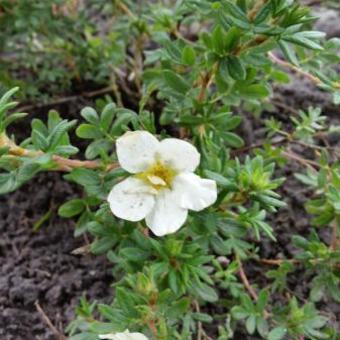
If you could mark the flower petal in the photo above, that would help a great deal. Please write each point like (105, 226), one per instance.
(166, 217)
(136, 150)
(123, 336)
(193, 192)
(131, 199)
(179, 154)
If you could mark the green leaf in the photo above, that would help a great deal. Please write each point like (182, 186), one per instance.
(6, 96)
(173, 282)
(107, 115)
(231, 39)
(303, 39)
(218, 40)
(239, 313)
(102, 245)
(124, 117)
(262, 326)
(188, 55)
(39, 140)
(59, 131)
(263, 13)
(203, 317)
(277, 333)
(180, 307)
(255, 91)
(236, 68)
(71, 208)
(220, 180)
(232, 139)
(88, 131)
(336, 97)
(12, 118)
(205, 292)
(37, 225)
(262, 300)
(134, 254)
(288, 52)
(176, 82)
(90, 115)
(251, 324)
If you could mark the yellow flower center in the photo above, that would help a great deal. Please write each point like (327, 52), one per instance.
(158, 176)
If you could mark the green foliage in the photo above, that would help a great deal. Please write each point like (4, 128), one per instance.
(195, 69)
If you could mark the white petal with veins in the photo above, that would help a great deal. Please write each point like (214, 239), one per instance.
(123, 336)
(193, 192)
(132, 199)
(178, 154)
(136, 150)
(167, 216)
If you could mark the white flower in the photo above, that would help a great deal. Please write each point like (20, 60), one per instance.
(123, 336)
(163, 186)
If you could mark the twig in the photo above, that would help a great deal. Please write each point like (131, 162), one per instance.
(46, 319)
(247, 285)
(125, 9)
(304, 161)
(64, 100)
(207, 79)
(245, 281)
(257, 145)
(255, 9)
(201, 334)
(298, 70)
(153, 328)
(199, 323)
(277, 262)
(334, 240)
(63, 164)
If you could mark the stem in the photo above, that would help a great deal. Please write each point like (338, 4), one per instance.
(64, 100)
(46, 319)
(125, 9)
(277, 262)
(206, 82)
(306, 162)
(247, 285)
(244, 279)
(334, 240)
(297, 70)
(63, 164)
(255, 9)
(153, 328)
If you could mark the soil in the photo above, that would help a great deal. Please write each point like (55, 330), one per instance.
(39, 267)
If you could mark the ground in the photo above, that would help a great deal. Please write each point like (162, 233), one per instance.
(38, 267)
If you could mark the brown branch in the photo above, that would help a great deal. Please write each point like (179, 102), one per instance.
(63, 164)
(201, 334)
(277, 262)
(64, 100)
(206, 81)
(125, 9)
(334, 239)
(299, 159)
(255, 9)
(247, 285)
(298, 70)
(46, 319)
(245, 281)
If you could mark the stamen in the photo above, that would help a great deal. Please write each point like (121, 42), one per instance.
(158, 175)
